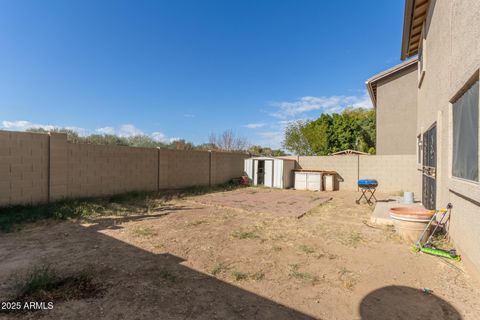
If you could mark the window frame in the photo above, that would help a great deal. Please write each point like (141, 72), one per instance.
(459, 184)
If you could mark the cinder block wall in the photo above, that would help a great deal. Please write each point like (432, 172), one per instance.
(180, 169)
(345, 166)
(97, 170)
(23, 168)
(225, 166)
(37, 168)
(393, 172)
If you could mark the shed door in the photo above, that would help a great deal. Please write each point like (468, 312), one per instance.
(278, 173)
(255, 172)
(248, 169)
(268, 182)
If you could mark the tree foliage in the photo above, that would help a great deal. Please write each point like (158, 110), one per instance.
(266, 151)
(227, 141)
(354, 128)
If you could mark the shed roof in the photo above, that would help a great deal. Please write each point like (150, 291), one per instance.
(270, 158)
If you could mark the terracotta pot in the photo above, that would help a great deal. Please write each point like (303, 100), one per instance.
(410, 222)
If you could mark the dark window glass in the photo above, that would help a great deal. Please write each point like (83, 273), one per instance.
(465, 135)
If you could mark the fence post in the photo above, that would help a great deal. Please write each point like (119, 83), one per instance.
(57, 166)
(158, 169)
(210, 168)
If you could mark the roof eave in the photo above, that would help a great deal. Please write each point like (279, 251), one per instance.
(407, 27)
(368, 83)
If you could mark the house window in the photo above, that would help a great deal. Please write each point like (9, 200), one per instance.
(465, 135)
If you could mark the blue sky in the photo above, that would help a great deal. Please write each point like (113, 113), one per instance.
(184, 69)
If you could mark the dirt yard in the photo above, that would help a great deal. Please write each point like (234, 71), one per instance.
(217, 257)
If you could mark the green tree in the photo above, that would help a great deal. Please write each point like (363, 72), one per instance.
(296, 138)
(354, 128)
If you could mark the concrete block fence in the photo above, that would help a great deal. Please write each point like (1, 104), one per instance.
(36, 168)
(394, 173)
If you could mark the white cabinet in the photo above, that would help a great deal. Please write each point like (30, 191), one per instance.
(300, 181)
(308, 180)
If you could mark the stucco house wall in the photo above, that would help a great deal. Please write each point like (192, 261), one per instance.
(451, 58)
(396, 111)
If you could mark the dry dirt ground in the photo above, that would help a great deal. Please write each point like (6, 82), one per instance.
(197, 259)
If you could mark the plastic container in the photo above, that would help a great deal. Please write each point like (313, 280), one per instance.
(409, 222)
(408, 197)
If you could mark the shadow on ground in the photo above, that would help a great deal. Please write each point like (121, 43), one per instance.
(139, 284)
(400, 302)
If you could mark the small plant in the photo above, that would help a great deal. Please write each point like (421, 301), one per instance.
(239, 276)
(44, 283)
(167, 275)
(244, 234)
(307, 249)
(197, 223)
(257, 276)
(303, 276)
(144, 232)
(277, 248)
(150, 204)
(353, 239)
(347, 279)
(219, 268)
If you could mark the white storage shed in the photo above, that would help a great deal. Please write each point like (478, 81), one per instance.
(270, 172)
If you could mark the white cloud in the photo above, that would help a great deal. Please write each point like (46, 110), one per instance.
(129, 130)
(106, 130)
(324, 104)
(255, 125)
(22, 125)
(174, 139)
(125, 130)
(159, 136)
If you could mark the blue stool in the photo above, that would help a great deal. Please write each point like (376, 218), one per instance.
(368, 188)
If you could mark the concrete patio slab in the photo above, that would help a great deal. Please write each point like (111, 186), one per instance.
(381, 213)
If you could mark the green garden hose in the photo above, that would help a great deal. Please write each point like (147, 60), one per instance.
(441, 253)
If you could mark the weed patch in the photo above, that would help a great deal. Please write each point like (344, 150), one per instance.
(239, 276)
(196, 223)
(353, 239)
(306, 249)
(44, 283)
(347, 278)
(144, 232)
(257, 276)
(303, 276)
(245, 234)
(167, 275)
(12, 218)
(219, 268)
